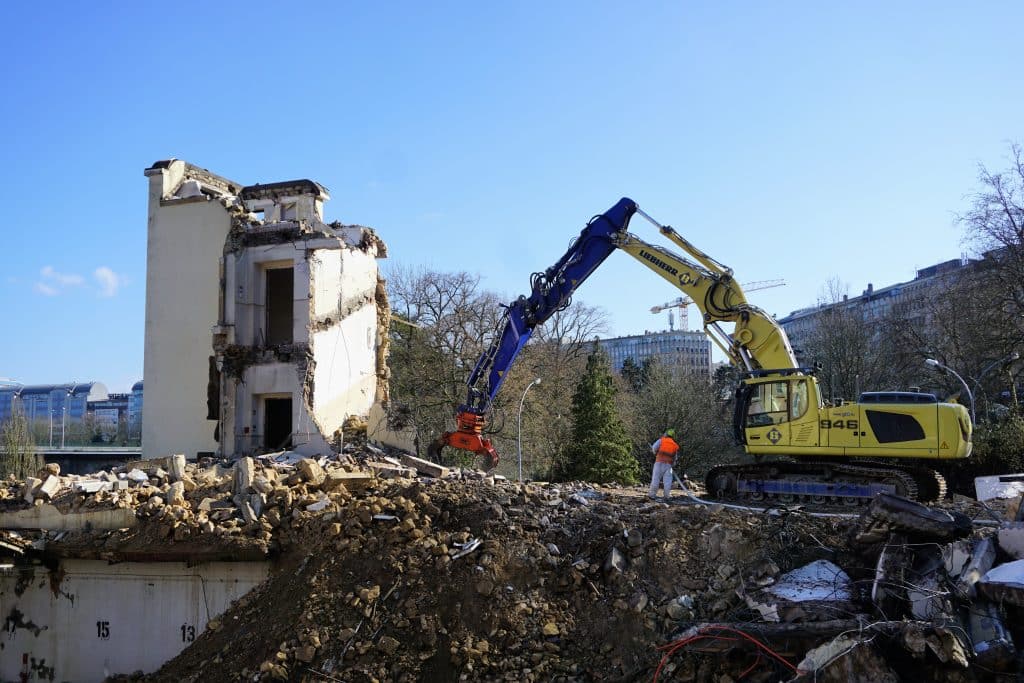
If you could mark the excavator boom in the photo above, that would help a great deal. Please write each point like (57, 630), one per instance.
(550, 292)
(778, 409)
(757, 339)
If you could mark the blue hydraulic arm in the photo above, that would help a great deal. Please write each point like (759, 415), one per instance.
(551, 291)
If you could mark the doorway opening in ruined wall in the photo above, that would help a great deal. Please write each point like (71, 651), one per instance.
(277, 422)
(280, 305)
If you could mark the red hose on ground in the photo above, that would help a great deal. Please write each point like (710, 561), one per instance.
(670, 648)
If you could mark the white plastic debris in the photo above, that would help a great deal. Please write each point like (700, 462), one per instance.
(819, 580)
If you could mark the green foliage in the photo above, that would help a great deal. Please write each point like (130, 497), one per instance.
(17, 449)
(694, 407)
(637, 376)
(599, 450)
(998, 449)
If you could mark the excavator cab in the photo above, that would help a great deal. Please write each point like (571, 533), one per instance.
(767, 408)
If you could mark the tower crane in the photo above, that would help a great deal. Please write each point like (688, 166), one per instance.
(684, 301)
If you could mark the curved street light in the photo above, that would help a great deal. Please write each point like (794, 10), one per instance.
(932, 363)
(1002, 361)
(64, 414)
(6, 383)
(519, 426)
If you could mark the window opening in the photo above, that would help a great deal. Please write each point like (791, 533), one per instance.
(280, 305)
(277, 423)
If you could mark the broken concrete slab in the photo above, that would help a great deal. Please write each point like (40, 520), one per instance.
(819, 580)
(999, 486)
(351, 481)
(49, 488)
(388, 471)
(888, 592)
(992, 643)
(887, 514)
(92, 485)
(928, 599)
(176, 494)
(47, 516)
(311, 471)
(615, 563)
(248, 514)
(151, 466)
(333, 482)
(983, 556)
(176, 467)
(28, 490)
(244, 472)
(1011, 539)
(425, 467)
(1004, 583)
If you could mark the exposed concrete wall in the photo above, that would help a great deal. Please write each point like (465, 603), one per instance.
(325, 282)
(88, 619)
(249, 268)
(331, 368)
(345, 378)
(185, 241)
(212, 244)
(245, 418)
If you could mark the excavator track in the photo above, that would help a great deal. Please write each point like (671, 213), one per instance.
(823, 483)
(931, 485)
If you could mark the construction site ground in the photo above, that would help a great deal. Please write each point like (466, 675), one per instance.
(541, 598)
(397, 576)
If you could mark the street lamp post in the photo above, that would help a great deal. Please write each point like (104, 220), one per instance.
(64, 413)
(1008, 359)
(519, 426)
(931, 362)
(6, 383)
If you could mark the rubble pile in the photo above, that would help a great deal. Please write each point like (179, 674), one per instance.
(483, 579)
(391, 569)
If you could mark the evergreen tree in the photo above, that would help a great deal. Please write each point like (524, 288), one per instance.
(600, 451)
(636, 375)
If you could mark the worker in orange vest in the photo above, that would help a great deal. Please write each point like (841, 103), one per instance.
(665, 450)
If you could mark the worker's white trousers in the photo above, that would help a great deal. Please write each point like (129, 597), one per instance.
(663, 472)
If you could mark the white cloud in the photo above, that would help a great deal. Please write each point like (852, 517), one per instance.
(54, 282)
(108, 280)
(62, 279)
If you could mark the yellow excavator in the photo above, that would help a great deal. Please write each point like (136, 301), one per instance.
(844, 453)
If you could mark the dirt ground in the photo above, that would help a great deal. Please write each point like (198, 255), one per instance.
(570, 583)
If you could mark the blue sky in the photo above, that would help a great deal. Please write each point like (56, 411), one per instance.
(803, 141)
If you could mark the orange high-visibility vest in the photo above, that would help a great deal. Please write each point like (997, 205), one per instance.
(667, 450)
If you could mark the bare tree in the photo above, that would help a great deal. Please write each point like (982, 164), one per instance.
(18, 455)
(852, 348)
(994, 227)
(446, 320)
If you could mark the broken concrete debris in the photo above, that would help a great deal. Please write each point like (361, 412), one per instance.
(471, 577)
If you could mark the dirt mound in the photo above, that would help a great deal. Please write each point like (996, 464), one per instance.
(472, 580)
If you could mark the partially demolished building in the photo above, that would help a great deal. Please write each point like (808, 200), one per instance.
(295, 306)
